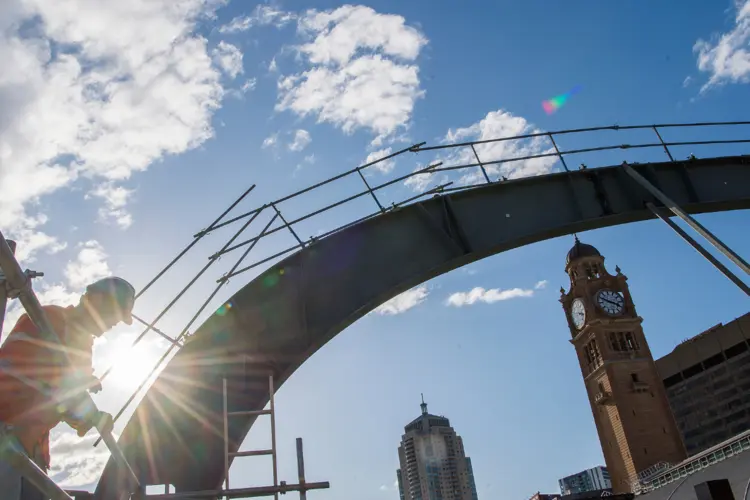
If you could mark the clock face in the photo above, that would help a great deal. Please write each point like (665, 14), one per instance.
(611, 302)
(578, 313)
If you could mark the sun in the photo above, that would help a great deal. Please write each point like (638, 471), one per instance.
(131, 365)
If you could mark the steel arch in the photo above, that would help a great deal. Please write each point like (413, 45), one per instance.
(290, 311)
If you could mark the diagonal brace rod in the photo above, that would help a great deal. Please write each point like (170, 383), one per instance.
(697, 226)
(699, 248)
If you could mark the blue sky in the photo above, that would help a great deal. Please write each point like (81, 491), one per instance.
(128, 128)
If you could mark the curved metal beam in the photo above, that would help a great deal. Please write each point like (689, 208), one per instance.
(282, 317)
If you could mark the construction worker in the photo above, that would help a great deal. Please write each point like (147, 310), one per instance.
(63, 368)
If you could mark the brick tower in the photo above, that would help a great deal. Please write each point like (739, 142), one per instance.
(635, 423)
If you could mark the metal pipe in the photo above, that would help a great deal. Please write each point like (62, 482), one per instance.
(476, 155)
(196, 238)
(271, 390)
(699, 248)
(18, 280)
(291, 229)
(552, 139)
(301, 468)
(697, 226)
(258, 491)
(156, 330)
(12, 451)
(372, 193)
(666, 149)
(577, 131)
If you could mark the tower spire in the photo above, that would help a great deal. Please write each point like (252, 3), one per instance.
(423, 405)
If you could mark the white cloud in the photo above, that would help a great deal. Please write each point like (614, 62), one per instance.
(270, 141)
(383, 487)
(89, 266)
(249, 85)
(403, 302)
(273, 67)
(74, 461)
(115, 199)
(55, 294)
(496, 124)
(479, 294)
(540, 285)
(263, 15)
(726, 58)
(361, 71)
(229, 58)
(385, 166)
(687, 81)
(100, 89)
(300, 141)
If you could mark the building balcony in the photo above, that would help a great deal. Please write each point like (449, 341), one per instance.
(640, 386)
(603, 398)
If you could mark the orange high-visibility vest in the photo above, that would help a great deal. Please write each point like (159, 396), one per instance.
(25, 352)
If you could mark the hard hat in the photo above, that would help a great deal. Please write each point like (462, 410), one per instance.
(121, 291)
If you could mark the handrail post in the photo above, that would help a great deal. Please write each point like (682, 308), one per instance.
(663, 144)
(481, 165)
(559, 154)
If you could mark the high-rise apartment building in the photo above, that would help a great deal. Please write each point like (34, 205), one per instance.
(594, 479)
(433, 463)
(707, 379)
(632, 414)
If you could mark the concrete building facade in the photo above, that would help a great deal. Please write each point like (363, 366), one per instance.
(629, 403)
(433, 463)
(707, 379)
(594, 479)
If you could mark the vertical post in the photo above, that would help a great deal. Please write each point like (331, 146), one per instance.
(4, 289)
(481, 165)
(273, 435)
(369, 189)
(226, 433)
(301, 469)
(557, 150)
(697, 246)
(663, 144)
(697, 226)
(291, 230)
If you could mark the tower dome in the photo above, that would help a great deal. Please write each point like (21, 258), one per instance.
(581, 250)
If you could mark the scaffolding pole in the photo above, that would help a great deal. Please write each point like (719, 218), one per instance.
(20, 284)
(258, 491)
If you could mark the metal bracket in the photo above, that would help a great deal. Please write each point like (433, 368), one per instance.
(601, 193)
(448, 228)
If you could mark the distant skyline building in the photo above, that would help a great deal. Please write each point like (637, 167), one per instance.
(594, 479)
(707, 379)
(434, 465)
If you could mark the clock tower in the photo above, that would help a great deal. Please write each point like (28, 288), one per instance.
(633, 419)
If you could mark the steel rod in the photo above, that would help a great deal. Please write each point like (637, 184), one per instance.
(697, 226)
(226, 434)
(291, 229)
(576, 131)
(476, 155)
(184, 330)
(258, 491)
(666, 149)
(272, 407)
(301, 468)
(166, 337)
(196, 238)
(435, 190)
(372, 193)
(565, 165)
(12, 451)
(324, 182)
(699, 248)
(251, 453)
(326, 208)
(181, 293)
(18, 280)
